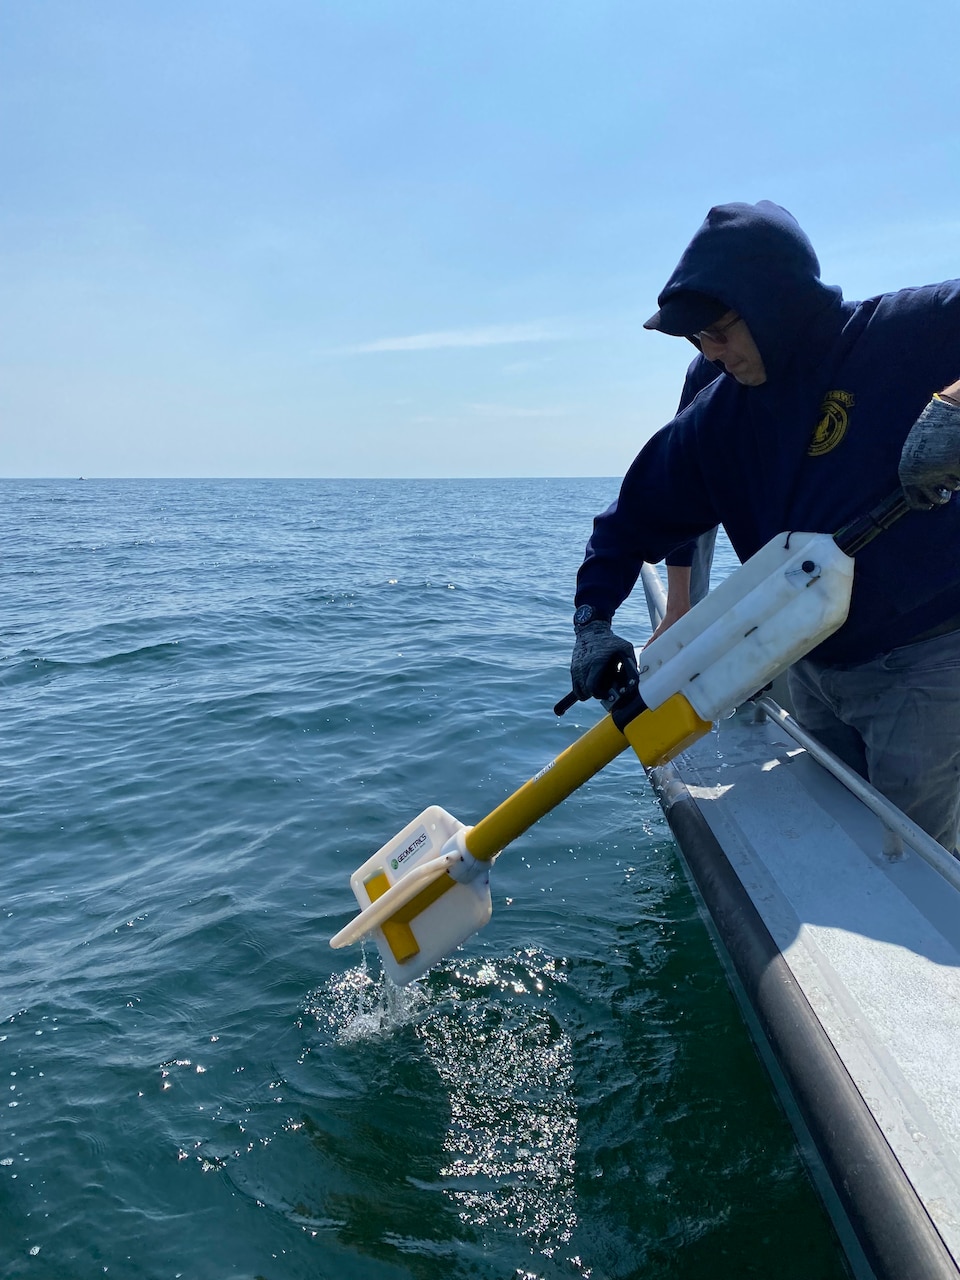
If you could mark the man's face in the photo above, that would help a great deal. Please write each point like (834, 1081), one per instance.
(729, 342)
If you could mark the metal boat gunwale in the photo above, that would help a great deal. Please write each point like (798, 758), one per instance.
(830, 931)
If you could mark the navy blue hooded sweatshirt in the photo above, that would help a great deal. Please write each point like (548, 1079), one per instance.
(816, 445)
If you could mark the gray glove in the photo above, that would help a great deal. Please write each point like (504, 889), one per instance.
(930, 461)
(595, 656)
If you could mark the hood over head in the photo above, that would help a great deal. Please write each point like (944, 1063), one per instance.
(755, 259)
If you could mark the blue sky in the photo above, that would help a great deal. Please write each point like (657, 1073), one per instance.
(420, 238)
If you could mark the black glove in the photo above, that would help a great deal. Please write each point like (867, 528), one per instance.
(930, 461)
(595, 657)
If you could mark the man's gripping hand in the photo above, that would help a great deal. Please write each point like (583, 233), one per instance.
(595, 655)
(930, 461)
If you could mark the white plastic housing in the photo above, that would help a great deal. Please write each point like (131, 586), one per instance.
(777, 606)
(446, 923)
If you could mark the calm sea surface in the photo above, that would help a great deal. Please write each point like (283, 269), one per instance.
(218, 698)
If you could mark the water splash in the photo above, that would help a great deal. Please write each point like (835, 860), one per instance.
(356, 1005)
(715, 736)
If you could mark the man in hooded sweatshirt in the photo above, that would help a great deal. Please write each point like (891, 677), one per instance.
(818, 412)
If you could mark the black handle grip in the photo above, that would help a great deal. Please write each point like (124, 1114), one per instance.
(565, 703)
(853, 537)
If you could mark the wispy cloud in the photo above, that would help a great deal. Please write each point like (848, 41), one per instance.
(463, 413)
(516, 411)
(496, 335)
(528, 366)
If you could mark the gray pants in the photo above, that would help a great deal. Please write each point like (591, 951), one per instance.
(896, 720)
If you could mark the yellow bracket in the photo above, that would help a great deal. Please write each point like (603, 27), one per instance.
(658, 736)
(400, 937)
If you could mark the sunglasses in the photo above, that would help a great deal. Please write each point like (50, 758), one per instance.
(716, 333)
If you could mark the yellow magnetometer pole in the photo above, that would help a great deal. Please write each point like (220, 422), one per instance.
(427, 890)
(406, 908)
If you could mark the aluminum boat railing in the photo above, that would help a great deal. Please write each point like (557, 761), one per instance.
(898, 828)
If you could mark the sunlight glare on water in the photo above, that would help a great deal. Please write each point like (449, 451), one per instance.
(504, 1070)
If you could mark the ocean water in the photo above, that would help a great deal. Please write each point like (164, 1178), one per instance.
(218, 698)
